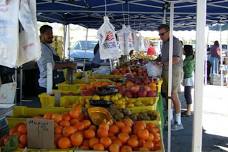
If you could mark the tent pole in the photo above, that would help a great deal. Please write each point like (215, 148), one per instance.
(206, 59)
(64, 39)
(170, 74)
(87, 31)
(221, 58)
(199, 82)
(164, 17)
(68, 40)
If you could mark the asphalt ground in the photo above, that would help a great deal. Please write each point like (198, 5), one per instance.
(215, 123)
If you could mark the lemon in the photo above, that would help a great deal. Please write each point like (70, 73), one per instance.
(96, 97)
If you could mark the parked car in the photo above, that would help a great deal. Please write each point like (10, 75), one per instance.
(83, 50)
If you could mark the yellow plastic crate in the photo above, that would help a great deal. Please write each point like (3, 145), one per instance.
(68, 101)
(75, 88)
(142, 109)
(22, 111)
(159, 85)
(47, 100)
(146, 101)
(12, 122)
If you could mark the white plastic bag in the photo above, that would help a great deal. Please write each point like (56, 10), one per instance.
(138, 41)
(29, 43)
(9, 10)
(125, 39)
(107, 41)
(7, 92)
(153, 69)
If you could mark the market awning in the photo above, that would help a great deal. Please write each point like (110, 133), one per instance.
(140, 14)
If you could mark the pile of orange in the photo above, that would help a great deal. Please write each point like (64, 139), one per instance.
(73, 129)
(20, 131)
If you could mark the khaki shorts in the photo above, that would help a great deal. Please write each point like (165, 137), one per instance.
(176, 79)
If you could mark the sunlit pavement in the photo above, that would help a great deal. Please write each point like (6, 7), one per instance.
(215, 123)
(215, 110)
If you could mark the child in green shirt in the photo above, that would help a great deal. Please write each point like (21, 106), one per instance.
(188, 68)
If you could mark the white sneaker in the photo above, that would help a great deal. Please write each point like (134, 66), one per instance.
(177, 127)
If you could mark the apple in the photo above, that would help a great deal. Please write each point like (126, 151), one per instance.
(128, 94)
(135, 88)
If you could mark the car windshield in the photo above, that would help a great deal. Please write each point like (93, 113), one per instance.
(86, 45)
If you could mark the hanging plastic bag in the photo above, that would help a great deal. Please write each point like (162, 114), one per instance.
(129, 39)
(107, 41)
(9, 10)
(29, 43)
(125, 39)
(153, 69)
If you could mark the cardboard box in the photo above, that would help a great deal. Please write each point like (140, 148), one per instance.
(40, 133)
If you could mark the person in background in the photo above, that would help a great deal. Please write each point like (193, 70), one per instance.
(214, 58)
(188, 68)
(177, 64)
(131, 53)
(97, 61)
(151, 49)
(49, 55)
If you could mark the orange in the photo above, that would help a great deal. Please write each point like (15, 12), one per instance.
(104, 126)
(141, 142)
(76, 139)
(102, 132)
(23, 139)
(143, 149)
(157, 137)
(64, 143)
(151, 137)
(93, 141)
(139, 125)
(128, 122)
(85, 145)
(74, 114)
(12, 131)
(89, 133)
(73, 121)
(79, 126)
(133, 142)
(149, 144)
(120, 124)
(67, 131)
(56, 138)
(150, 127)
(125, 149)
(22, 129)
(98, 147)
(106, 141)
(47, 115)
(126, 129)
(114, 129)
(93, 127)
(58, 129)
(86, 123)
(123, 137)
(66, 117)
(64, 123)
(143, 134)
(114, 148)
(56, 117)
(117, 141)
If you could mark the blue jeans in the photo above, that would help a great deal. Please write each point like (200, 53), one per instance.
(214, 65)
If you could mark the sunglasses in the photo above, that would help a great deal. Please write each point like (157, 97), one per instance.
(161, 34)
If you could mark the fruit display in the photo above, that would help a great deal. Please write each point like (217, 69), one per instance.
(74, 129)
(119, 114)
(90, 89)
(135, 88)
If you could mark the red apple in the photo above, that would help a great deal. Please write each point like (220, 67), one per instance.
(135, 89)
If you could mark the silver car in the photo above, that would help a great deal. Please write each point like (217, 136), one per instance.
(83, 50)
